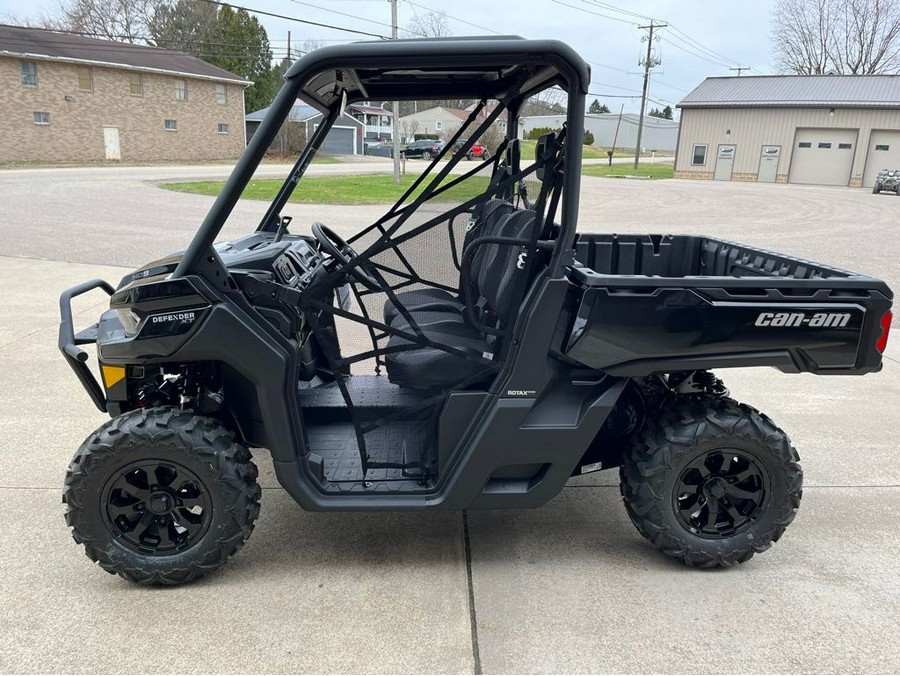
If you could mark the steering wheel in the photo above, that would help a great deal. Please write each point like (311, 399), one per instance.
(337, 247)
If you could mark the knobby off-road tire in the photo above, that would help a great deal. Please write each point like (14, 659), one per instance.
(164, 459)
(680, 450)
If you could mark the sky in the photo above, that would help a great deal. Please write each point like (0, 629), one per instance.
(704, 38)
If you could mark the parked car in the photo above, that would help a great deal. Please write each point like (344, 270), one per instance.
(477, 151)
(887, 179)
(423, 149)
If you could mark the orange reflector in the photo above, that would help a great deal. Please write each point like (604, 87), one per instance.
(112, 375)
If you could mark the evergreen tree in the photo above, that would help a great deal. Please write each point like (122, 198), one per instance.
(597, 108)
(224, 36)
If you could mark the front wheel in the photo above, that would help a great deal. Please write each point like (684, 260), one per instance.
(711, 482)
(161, 496)
(875, 190)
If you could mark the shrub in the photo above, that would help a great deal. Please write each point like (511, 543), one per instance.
(588, 138)
(537, 132)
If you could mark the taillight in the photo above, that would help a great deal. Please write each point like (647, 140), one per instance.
(886, 319)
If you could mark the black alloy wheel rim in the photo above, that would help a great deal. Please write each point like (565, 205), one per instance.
(720, 493)
(156, 507)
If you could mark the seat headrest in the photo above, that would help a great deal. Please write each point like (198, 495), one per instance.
(545, 150)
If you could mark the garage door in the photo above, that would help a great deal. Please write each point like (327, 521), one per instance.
(823, 156)
(339, 141)
(884, 153)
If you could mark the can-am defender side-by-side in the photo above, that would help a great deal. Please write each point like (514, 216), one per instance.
(503, 352)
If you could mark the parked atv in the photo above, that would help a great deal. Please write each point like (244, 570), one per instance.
(507, 349)
(887, 180)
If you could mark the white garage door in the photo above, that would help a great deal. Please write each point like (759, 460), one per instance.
(823, 156)
(884, 153)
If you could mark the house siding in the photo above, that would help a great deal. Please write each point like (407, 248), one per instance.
(75, 132)
(752, 128)
(425, 122)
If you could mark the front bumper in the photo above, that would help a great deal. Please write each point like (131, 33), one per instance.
(69, 341)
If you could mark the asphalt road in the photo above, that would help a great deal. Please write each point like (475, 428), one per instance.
(568, 588)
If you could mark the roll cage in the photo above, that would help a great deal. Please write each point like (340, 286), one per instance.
(508, 69)
(503, 71)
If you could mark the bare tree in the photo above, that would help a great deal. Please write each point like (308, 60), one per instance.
(432, 24)
(408, 129)
(858, 37)
(122, 20)
(309, 45)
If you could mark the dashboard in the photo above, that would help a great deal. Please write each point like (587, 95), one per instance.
(294, 260)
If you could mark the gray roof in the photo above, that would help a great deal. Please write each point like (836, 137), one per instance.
(39, 43)
(300, 111)
(846, 91)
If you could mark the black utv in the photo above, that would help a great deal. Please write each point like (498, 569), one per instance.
(887, 180)
(472, 348)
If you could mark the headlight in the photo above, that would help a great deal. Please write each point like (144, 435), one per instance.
(129, 319)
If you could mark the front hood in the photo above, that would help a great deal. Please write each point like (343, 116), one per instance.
(152, 271)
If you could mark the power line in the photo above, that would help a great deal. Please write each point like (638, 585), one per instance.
(352, 16)
(680, 47)
(700, 45)
(587, 11)
(617, 9)
(293, 18)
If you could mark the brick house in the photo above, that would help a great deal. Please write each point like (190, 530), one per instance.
(69, 98)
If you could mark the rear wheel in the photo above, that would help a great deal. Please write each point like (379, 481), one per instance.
(161, 496)
(426, 155)
(875, 190)
(711, 482)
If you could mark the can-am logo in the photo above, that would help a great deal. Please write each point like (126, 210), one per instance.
(184, 317)
(794, 319)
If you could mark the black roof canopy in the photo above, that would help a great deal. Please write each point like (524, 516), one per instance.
(437, 68)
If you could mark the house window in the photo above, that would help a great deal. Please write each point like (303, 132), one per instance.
(223, 128)
(28, 73)
(699, 156)
(171, 125)
(136, 84)
(805, 144)
(438, 125)
(180, 90)
(826, 146)
(221, 94)
(879, 146)
(41, 118)
(85, 79)
(845, 146)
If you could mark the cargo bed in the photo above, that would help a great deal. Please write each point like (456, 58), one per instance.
(651, 303)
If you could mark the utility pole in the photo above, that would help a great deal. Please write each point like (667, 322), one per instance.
(649, 63)
(395, 133)
(740, 69)
(289, 49)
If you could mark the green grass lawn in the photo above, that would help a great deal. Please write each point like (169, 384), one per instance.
(587, 152)
(370, 189)
(644, 170)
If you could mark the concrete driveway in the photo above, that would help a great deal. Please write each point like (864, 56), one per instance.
(568, 588)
